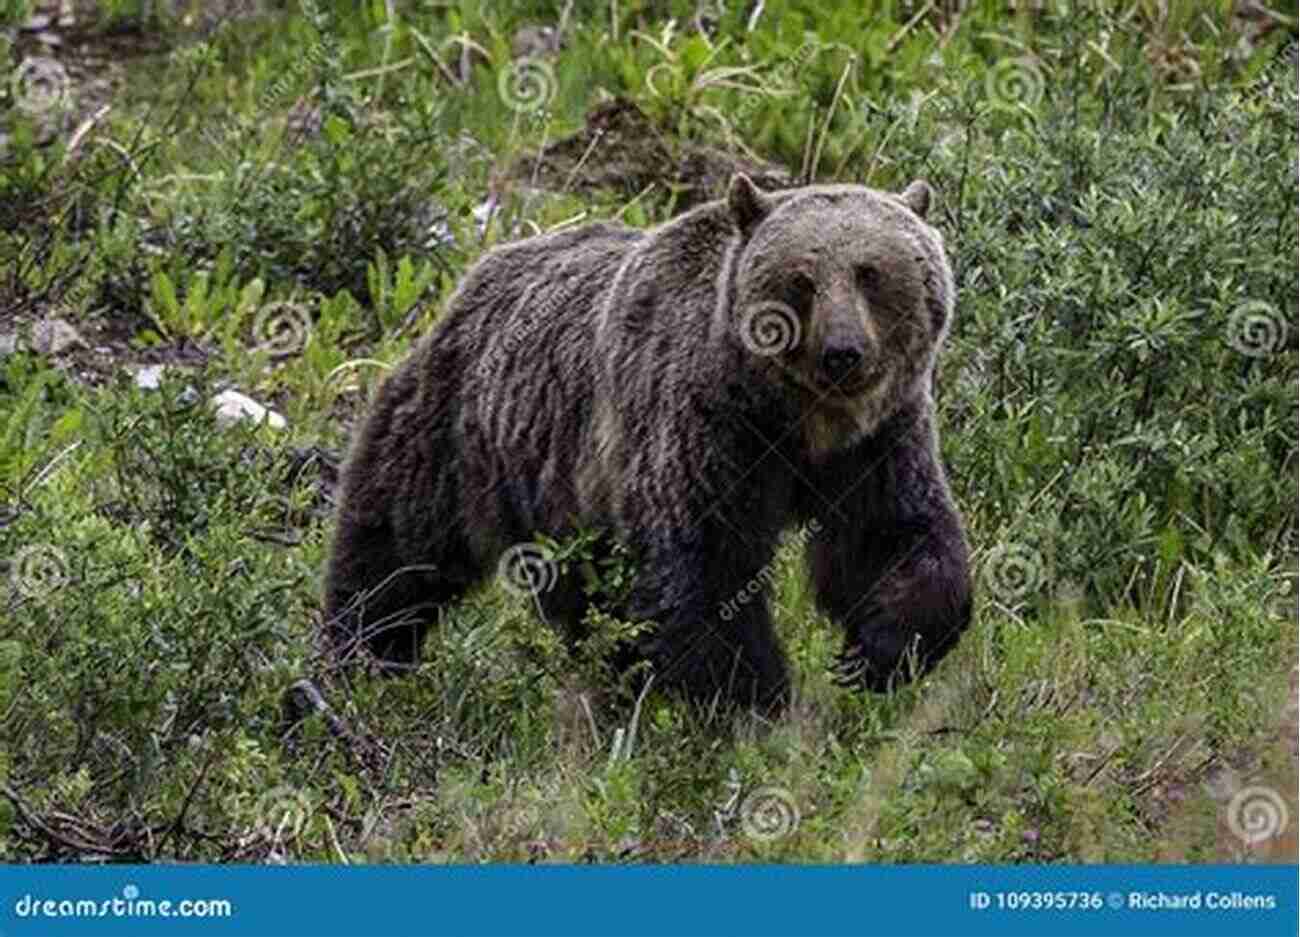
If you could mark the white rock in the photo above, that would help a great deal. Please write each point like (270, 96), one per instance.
(149, 377)
(232, 406)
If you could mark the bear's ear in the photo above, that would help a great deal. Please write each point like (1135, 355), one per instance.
(746, 203)
(917, 196)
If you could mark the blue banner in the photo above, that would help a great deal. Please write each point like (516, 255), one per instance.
(802, 901)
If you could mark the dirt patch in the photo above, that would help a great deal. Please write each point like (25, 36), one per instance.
(621, 150)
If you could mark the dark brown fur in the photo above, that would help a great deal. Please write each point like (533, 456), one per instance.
(612, 378)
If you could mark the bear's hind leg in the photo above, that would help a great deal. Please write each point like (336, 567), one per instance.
(376, 600)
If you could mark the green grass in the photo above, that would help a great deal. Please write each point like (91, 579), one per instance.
(1117, 402)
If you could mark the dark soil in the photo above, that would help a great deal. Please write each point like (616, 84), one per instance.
(621, 150)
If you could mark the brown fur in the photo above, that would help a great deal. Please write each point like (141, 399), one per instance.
(618, 379)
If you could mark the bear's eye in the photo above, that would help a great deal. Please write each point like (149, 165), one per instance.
(799, 291)
(868, 278)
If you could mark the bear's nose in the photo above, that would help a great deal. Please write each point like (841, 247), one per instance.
(838, 361)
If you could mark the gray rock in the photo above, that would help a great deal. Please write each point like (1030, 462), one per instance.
(54, 336)
(531, 42)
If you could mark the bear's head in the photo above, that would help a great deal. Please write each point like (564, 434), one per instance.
(843, 295)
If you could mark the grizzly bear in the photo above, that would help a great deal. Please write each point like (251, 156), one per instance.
(694, 390)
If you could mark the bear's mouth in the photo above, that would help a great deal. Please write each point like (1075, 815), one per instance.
(838, 394)
(846, 388)
(855, 385)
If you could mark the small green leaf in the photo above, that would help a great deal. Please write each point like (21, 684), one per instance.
(166, 306)
(1171, 544)
(250, 297)
(336, 130)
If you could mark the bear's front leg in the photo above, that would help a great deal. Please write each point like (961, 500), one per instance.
(706, 641)
(891, 564)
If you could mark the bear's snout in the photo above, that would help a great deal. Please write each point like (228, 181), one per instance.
(839, 361)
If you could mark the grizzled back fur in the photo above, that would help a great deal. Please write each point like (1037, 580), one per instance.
(693, 390)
